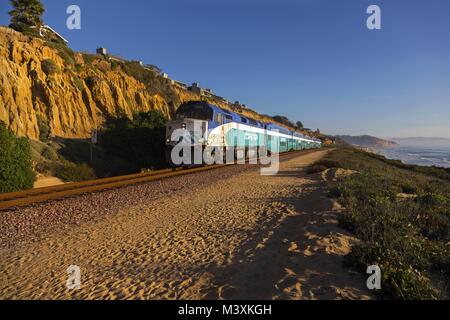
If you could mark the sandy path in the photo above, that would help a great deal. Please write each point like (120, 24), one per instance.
(43, 182)
(249, 236)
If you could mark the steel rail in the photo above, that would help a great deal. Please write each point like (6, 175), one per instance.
(39, 195)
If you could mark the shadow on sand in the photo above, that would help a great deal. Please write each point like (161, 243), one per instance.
(297, 255)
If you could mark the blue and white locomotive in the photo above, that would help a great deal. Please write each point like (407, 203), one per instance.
(212, 126)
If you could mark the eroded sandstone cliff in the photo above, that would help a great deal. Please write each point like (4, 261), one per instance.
(43, 83)
(71, 95)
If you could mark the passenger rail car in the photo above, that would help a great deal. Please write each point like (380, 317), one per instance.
(212, 126)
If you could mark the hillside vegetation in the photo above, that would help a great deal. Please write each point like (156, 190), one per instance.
(56, 97)
(43, 80)
(367, 141)
(15, 162)
(401, 214)
(124, 146)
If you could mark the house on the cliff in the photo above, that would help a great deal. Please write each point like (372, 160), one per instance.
(195, 88)
(206, 93)
(49, 33)
(179, 84)
(102, 51)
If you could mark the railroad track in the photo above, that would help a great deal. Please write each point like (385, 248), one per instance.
(32, 196)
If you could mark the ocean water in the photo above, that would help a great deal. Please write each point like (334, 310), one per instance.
(419, 155)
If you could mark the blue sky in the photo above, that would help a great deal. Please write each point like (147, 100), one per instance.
(311, 60)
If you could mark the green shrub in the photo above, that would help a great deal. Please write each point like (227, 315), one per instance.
(153, 82)
(37, 147)
(50, 154)
(71, 172)
(115, 65)
(78, 83)
(44, 168)
(26, 30)
(44, 128)
(432, 199)
(408, 239)
(90, 58)
(139, 141)
(435, 226)
(64, 51)
(78, 67)
(399, 280)
(408, 188)
(50, 67)
(16, 171)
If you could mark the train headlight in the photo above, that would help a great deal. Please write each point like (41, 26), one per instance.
(183, 126)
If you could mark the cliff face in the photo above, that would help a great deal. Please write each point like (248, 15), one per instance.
(45, 83)
(36, 82)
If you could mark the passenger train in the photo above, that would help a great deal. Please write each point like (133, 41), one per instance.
(212, 126)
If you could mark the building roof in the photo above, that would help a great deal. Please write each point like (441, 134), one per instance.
(55, 33)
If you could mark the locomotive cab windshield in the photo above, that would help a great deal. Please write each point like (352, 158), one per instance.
(197, 111)
(192, 117)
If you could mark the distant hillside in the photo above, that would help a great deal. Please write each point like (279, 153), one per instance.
(367, 141)
(421, 141)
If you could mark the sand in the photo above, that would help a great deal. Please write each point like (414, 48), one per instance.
(42, 182)
(246, 237)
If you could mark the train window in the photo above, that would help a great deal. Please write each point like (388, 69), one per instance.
(229, 118)
(244, 120)
(198, 111)
(219, 118)
(252, 122)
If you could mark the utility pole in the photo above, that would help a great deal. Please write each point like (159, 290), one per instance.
(93, 141)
